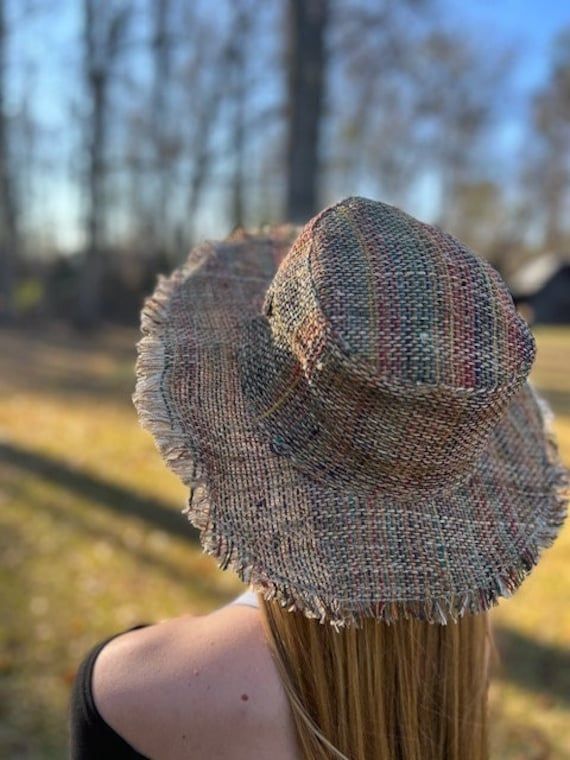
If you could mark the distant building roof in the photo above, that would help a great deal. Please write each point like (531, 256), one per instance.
(532, 275)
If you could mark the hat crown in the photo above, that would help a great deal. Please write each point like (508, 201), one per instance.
(400, 300)
(395, 351)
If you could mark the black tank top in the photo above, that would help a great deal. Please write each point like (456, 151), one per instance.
(91, 738)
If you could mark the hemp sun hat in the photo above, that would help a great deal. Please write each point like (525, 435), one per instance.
(349, 404)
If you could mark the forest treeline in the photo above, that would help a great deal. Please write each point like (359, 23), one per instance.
(183, 119)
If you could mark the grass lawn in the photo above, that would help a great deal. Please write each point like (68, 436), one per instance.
(92, 541)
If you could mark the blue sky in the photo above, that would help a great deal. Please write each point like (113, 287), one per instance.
(527, 25)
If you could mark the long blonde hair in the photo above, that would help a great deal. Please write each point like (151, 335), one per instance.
(410, 690)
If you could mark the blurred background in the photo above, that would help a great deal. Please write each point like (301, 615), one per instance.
(132, 129)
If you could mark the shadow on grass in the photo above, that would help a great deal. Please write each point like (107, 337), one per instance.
(109, 495)
(59, 362)
(121, 501)
(81, 522)
(534, 665)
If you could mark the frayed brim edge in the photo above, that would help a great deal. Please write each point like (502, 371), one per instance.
(174, 446)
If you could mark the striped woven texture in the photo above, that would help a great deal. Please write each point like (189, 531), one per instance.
(350, 407)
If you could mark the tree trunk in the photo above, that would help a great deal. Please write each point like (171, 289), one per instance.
(306, 67)
(91, 284)
(104, 32)
(241, 34)
(205, 117)
(96, 83)
(8, 210)
(162, 179)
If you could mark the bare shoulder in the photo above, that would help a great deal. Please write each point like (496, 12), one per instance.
(196, 687)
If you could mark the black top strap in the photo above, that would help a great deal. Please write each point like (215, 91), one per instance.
(91, 738)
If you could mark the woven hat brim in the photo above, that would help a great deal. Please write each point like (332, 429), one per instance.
(335, 555)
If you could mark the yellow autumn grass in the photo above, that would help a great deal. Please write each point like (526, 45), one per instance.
(92, 541)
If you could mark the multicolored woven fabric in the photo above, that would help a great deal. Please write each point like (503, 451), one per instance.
(349, 404)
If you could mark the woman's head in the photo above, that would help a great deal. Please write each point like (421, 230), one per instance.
(408, 690)
(350, 406)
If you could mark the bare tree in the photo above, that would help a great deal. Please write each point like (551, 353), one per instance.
(409, 100)
(548, 171)
(371, 127)
(458, 91)
(207, 81)
(104, 29)
(162, 47)
(308, 20)
(242, 25)
(9, 237)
